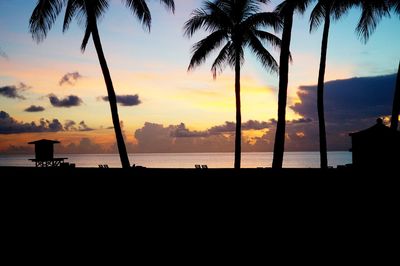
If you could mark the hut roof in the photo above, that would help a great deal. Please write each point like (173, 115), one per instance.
(43, 141)
(378, 129)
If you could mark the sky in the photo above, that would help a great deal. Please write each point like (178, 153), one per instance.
(52, 90)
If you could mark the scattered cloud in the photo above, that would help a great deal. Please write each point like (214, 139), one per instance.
(9, 125)
(83, 127)
(71, 125)
(34, 108)
(14, 92)
(126, 100)
(70, 78)
(3, 54)
(67, 102)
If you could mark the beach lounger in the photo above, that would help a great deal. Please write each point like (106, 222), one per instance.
(197, 166)
(204, 166)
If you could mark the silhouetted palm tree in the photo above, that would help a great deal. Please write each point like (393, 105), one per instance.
(323, 12)
(286, 10)
(235, 24)
(44, 16)
(395, 6)
(372, 12)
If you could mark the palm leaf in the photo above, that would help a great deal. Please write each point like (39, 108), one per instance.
(43, 17)
(204, 47)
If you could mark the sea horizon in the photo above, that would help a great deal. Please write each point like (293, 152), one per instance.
(189, 160)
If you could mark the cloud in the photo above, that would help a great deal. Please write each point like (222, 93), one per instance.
(350, 105)
(67, 102)
(71, 125)
(34, 108)
(85, 146)
(13, 92)
(8, 125)
(3, 54)
(126, 100)
(83, 127)
(70, 78)
(229, 127)
(181, 131)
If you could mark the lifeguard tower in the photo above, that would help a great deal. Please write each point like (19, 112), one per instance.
(44, 154)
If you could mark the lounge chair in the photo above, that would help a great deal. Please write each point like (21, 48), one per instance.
(204, 166)
(197, 166)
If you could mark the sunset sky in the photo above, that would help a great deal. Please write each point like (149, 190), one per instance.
(149, 71)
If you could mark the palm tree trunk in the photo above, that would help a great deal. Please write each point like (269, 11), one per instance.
(394, 123)
(279, 145)
(320, 94)
(112, 99)
(238, 134)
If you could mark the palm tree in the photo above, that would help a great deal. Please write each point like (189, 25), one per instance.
(322, 13)
(372, 13)
(235, 25)
(394, 123)
(44, 16)
(286, 10)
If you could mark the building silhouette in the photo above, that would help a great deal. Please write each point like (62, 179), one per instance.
(44, 154)
(376, 147)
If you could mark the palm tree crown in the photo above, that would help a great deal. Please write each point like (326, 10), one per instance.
(235, 25)
(333, 8)
(47, 11)
(88, 11)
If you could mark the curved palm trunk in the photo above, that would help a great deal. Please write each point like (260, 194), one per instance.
(111, 97)
(279, 145)
(394, 123)
(238, 134)
(320, 95)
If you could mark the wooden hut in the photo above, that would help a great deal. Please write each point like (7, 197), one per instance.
(44, 154)
(376, 147)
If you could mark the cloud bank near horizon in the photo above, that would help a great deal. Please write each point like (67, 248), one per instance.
(351, 105)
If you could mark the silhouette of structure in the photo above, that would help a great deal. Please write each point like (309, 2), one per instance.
(376, 147)
(44, 154)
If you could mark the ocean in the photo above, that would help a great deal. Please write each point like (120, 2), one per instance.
(189, 160)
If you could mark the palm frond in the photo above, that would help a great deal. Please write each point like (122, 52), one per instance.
(43, 17)
(70, 12)
(395, 5)
(264, 19)
(211, 17)
(341, 7)
(234, 54)
(204, 47)
(372, 13)
(268, 38)
(221, 60)
(85, 39)
(140, 9)
(266, 59)
(169, 4)
(318, 15)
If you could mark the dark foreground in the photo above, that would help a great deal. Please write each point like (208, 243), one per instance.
(170, 174)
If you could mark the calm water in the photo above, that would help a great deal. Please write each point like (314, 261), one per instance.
(188, 160)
